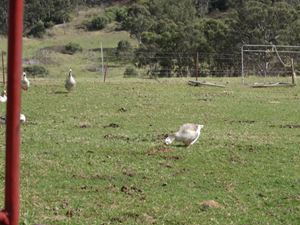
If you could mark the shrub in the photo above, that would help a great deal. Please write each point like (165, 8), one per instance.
(124, 45)
(116, 13)
(124, 50)
(130, 71)
(36, 71)
(72, 48)
(121, 14)
(98, 23)
(38, 30)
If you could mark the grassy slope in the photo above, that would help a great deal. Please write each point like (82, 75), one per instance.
(75, 171)
(60, 35)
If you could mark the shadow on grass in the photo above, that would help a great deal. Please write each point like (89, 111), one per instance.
(61, 92)
(180, 146)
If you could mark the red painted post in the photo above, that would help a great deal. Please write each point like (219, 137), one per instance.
(14, 67)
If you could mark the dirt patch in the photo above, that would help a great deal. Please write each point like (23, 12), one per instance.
(84, 125)
(128, 172)
(291, 126)
(132, 191)
(170, 157)
(111, 125)
(248, 147)
(116, 137)
(159, 149)
(126, 216)
(243, 121)
(236, 159)
(92, 177)
(166, 165)
(205, 205)
(161, 136)
(122, 109)
(180, 172)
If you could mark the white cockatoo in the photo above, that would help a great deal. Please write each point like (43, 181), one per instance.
(188, 133)
(3, 119)
(70, 82)
(25, 82)
(3, 97)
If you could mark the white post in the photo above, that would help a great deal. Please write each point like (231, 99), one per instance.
(242, 57)
(102, 60)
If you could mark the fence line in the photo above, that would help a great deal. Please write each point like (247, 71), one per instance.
(177, 63)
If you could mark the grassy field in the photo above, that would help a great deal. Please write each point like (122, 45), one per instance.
(96, 155)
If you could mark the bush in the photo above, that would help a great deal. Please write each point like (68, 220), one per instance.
(72, 48)
(123, 46)
(36, 71)
(38, 30)
(98, 23)
(116, 13)
(130, 71)
(121, 14)
(124, 50)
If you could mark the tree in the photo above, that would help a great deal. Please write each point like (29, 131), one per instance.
(3, 16)
(138, 20)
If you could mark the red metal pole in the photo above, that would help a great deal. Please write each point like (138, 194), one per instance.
(14, 68)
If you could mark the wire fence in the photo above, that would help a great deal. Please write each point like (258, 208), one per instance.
(258, 62)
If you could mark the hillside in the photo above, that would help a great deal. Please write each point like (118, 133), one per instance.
(47, 51)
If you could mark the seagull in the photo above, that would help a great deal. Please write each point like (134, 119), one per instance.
(188, 133)
(3, 119)
(3, 97)
(70, 82)
(25, 82)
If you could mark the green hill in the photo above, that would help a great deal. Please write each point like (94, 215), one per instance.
(48, 51)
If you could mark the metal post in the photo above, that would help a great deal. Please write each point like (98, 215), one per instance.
(12, 167)
(197, 66)
(102, 60)
(105, 73)
(242, 54)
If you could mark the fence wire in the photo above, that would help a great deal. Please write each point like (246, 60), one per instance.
(263, 62)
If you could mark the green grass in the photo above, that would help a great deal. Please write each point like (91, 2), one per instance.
(75, 171)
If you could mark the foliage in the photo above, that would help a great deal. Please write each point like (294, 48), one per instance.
(138, 20)
(36, 71)
(54, 11)
(116, 13)
(3, 16)
(38, 30)
(72, 48)
(124, 50)
(162, 27)
(98, 23)
(130, 71)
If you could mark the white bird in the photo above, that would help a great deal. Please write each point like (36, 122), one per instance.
(25, 82)
(3, 119)
(70, 82)
(188, 133)
(3, 97)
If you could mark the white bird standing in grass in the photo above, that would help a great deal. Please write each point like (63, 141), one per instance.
(3, 119)
(70, 82)
(188, 133)
(25, 82)
(3, 97)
